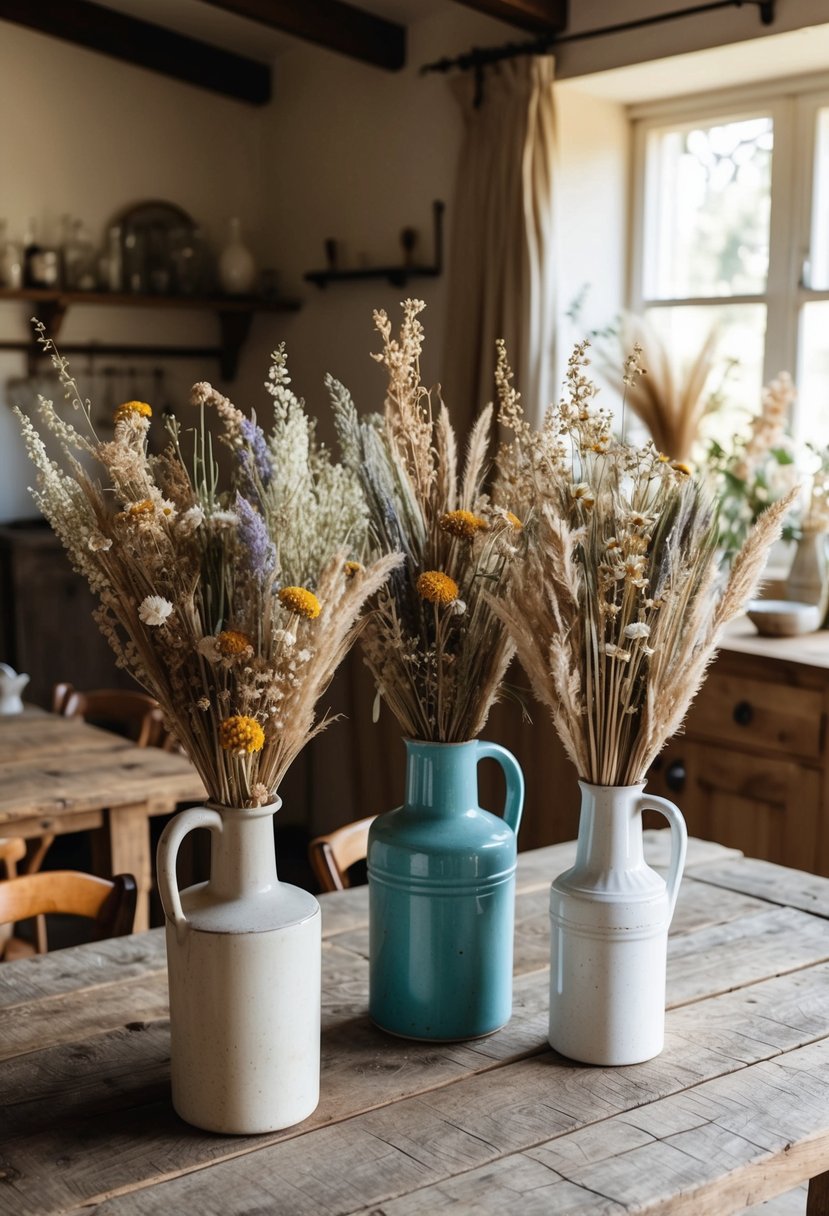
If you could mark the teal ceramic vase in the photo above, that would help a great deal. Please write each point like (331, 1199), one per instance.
(441, 876)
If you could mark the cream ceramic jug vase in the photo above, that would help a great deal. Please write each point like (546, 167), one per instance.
(609, 919)
(243, 960)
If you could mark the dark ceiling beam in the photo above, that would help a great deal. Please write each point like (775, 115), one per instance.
(145, 45)
(538, 16)
(330, 23)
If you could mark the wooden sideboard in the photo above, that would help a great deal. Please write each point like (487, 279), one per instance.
(751, 768)
(46, 625)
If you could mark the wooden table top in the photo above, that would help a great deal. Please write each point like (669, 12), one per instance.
(52, 765)
(733, 1111)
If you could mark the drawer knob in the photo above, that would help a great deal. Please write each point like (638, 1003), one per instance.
(743, 713)
(675, 776)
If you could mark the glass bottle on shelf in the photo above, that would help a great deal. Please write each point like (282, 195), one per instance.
(11, 260)
(41, 265)
(114, 260)
(78, 257)
(135, 260)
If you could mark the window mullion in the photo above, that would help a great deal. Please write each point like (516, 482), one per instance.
(784, 243)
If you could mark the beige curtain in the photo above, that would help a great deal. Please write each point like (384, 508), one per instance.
(501, 255)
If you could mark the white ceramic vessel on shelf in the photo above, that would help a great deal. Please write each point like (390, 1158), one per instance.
(237, 268)
(609, 918)
(243, 960)
(11, 689)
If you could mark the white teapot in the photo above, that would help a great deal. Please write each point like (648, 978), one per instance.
(11, 686)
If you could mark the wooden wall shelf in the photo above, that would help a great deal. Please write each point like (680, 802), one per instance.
(398, 276)
(234, 314)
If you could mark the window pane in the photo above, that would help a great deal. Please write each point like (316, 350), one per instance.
(817, 275)
(709, 208)
(813, 382)
(742, 332)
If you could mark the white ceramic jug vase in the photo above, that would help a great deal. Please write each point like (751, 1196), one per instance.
(243, 960)
(609, 918)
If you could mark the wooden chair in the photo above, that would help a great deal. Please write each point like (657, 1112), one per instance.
(12, 850)
(135, 715)
(71, 893)
(332, 855)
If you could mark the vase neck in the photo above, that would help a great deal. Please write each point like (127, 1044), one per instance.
(441, 778)
(243, 858)
(610, 828)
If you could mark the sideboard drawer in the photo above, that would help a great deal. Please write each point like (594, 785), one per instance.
(759, 714)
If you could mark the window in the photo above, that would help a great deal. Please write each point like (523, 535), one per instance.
(731, 229)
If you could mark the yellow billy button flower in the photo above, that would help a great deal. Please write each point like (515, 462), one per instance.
(514, 520)
(129, 408)
(241, 734)
(145, 507)
(462, 524)
(231, 642)
(352, 568)
(437, 587)
(681, 467)
(301, 601)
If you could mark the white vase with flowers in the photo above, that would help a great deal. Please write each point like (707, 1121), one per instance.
(615, 611)
(233, 608)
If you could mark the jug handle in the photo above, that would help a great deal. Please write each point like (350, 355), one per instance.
(679, 843)
(514, 804)
(168, 847)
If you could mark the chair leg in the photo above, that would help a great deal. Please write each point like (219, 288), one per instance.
(33, 864)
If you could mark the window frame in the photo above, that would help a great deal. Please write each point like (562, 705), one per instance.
(793, 105)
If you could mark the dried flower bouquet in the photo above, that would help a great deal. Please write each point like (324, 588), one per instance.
(436, 650)
(233, 608)
(615, 607)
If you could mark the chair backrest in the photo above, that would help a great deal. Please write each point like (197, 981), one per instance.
(111, 905)
(136, 715)
(332, 855)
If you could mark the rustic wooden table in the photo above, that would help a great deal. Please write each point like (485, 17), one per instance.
(60, 775)
(735, 1110)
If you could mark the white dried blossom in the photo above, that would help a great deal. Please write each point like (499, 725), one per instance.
(637, 629)
(208, 648)
(98, 542)
(224, 519)
(192, 519)
(154, 610)
(458, 607)
(285, 636)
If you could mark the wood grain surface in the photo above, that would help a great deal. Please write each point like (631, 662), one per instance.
(734, 1111)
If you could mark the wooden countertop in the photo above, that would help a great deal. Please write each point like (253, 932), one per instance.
(808, 650)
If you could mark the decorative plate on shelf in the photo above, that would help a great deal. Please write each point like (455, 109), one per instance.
(154, 213)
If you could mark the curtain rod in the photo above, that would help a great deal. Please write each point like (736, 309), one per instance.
(479, 57)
